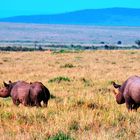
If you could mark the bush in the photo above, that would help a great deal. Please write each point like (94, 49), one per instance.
(74, 126)
(68, 65)
(60, 136)
(119, 42)
(137, 42)
(62, 51)
(59, 79)
(102, 42)
(15, 49)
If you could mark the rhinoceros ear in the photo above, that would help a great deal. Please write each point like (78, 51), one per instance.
(5, 84)
(116, 85)
(10, 81)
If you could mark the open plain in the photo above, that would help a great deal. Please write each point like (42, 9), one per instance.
(22, 34)
(82, 104)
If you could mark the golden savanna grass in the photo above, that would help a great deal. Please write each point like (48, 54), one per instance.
(83, 108)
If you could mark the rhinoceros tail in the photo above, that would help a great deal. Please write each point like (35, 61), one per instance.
(47, 93)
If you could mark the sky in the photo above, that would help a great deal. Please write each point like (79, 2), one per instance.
(31, 7)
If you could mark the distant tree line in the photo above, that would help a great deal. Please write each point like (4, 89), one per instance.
(14, 48)
(70, 47)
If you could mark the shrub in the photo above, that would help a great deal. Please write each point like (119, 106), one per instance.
(93, 106)
(74, 126)
(62, 51)
(15, 48)
(137, 42)
(113, 63)
(119, 42)
(60, 136)
(102, 42)
(80, 103)
(59, 79)
(68, 65)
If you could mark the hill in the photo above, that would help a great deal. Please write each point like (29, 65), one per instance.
(104, 17)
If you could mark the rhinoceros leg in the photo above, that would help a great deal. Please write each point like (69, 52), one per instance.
(45, 102)
(135, 107)
(37, 102)
(130, 103)
(25, 103)
(129, 106)
(16, 102)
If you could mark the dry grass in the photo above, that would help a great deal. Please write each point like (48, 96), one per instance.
(83, 107)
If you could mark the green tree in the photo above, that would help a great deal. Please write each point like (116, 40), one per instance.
(137, 42)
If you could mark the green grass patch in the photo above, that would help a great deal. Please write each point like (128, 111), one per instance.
(61, 136)
(59, 79)
(62, 51)
(6, 115)
(74, 126)
(68, 65)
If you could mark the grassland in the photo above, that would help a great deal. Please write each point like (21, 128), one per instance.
(26, 34)
(82, 104)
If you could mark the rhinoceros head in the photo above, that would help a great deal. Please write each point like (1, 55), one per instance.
(118, 94)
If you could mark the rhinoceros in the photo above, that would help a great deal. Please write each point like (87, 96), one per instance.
(128, 92)
(28, 94)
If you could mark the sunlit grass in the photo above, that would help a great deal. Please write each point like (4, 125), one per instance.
(82, 104)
